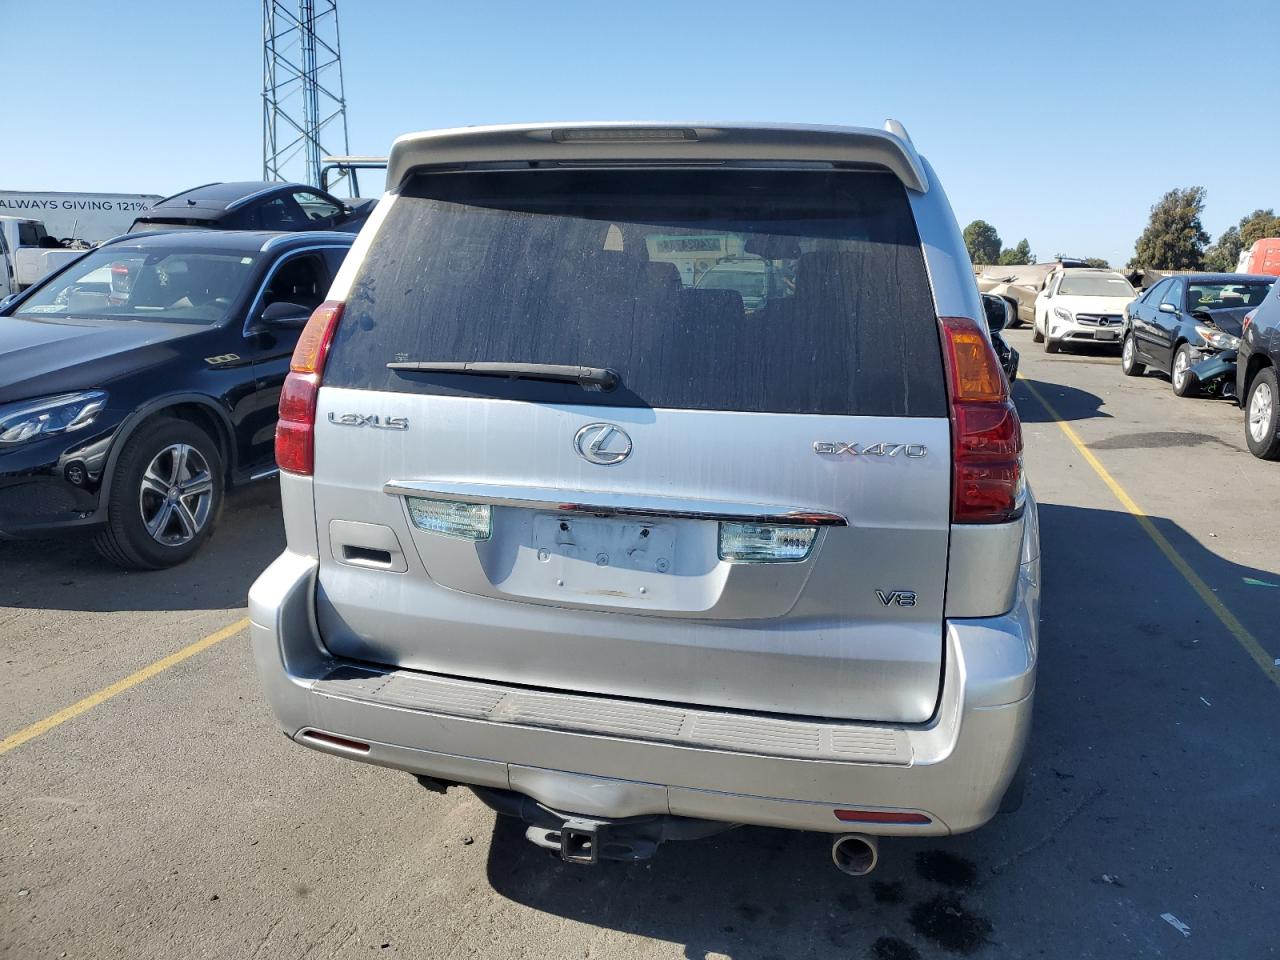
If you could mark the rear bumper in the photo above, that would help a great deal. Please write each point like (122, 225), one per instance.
(597, 757)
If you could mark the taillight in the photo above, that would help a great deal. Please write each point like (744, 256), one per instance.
(1248, 319)
(880, 816)
(295, 430)
(986, 434)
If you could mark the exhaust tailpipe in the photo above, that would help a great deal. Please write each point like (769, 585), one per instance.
(855, 854)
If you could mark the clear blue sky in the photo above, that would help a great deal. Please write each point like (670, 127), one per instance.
(1059, 122)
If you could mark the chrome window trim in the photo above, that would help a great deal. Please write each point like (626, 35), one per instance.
(266, 280)
(334, 237)
(613, 504)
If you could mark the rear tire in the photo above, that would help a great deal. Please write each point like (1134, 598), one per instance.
(1129, 364)
(1262, 415)
(1185, 383)
(166, 495)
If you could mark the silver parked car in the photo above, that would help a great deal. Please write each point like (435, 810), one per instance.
(628, 560)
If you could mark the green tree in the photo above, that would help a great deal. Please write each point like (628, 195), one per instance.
(1174, 238)
(983, 242)
(1259, 224)
(1017, 255)
(1222, 256)
(1225, 252)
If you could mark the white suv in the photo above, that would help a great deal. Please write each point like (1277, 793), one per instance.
(628, 559)
(1079, 304)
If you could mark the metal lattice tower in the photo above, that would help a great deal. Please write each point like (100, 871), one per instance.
(304, 110)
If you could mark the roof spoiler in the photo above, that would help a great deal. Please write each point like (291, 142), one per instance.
(658, 142)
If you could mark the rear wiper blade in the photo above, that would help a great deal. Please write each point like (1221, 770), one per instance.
(600, 378)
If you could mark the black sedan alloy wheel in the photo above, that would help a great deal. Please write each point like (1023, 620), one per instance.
(166, 494)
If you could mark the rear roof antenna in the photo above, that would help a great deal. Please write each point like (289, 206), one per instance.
(898, 130)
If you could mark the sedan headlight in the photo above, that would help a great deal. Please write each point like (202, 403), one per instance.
(1218, 339)
(29, 419)
(1063, 314)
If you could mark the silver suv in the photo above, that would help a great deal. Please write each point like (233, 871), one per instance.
(632, 561)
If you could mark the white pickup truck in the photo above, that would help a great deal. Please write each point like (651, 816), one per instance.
(8, 277)
(75, 221)
(31, 252)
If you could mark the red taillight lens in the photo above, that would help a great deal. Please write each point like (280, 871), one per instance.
(295, 430)
(880, 816)
(1248, 319)
(986, 433)
(295, 449)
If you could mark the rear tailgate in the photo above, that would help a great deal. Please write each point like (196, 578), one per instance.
(775, 536)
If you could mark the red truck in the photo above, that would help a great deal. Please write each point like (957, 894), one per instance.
(1262, 257)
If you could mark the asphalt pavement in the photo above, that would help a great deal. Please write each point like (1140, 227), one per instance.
(172, 819)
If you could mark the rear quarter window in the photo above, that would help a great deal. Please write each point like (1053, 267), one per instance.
(621, 268)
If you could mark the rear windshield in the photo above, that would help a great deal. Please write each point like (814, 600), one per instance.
(157, 223)
(606, 268)
(1219, 296)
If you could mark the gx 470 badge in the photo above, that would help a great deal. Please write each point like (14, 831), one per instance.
(913, 451)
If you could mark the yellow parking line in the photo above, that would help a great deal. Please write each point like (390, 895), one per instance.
(120, 686)
(1237, 629)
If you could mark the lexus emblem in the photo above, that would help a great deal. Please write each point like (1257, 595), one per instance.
(602, 443)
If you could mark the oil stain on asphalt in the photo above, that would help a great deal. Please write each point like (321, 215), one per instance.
(945, 868)
(1156, 439)
(949, 923)
(891, 948)
(893, 891)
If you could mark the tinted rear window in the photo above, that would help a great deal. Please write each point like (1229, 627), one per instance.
(602, 268)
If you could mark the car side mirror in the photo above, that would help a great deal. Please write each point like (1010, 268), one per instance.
(997, 312)
(1168, 308)
(289, 316)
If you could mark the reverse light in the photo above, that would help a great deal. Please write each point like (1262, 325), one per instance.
(452, 518)
(295, 430)
(1218, 339)
(64, 413)
(765, 542)
(986, 434)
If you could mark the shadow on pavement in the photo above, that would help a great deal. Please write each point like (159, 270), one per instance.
(1071, 403)
(1149, 724)
(66, 573)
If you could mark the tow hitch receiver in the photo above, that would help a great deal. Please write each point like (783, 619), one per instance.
(579, 841)
(587, 839)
